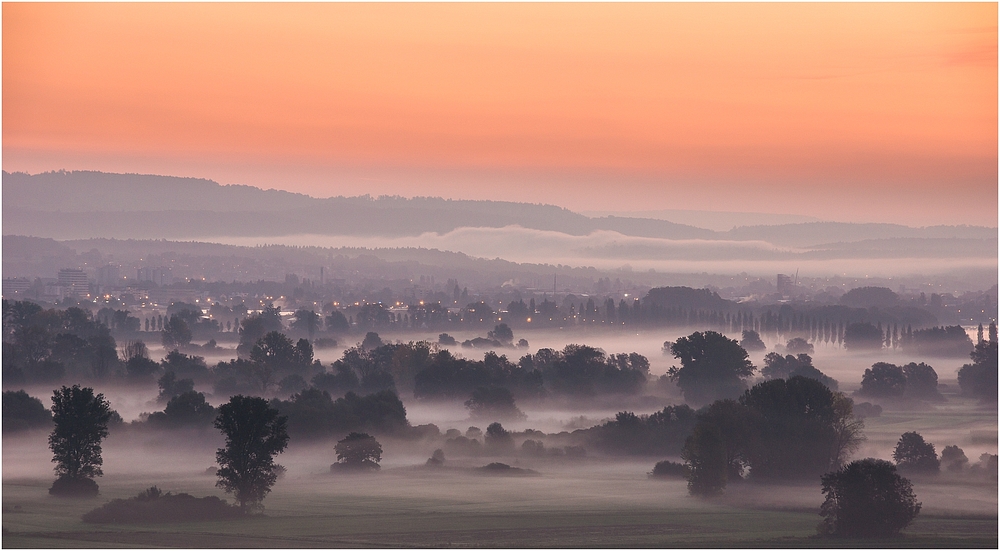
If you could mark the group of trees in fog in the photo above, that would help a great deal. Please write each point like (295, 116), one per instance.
(778, 429)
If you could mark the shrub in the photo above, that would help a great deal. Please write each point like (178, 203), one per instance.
(669, 469)
(504, 469)
(867, 409)
(152, 505)
(68, 486)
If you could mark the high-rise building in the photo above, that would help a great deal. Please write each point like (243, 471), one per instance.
(785, 285)
(74, 281)
(160, 276)
(15, 286)
(108, 275)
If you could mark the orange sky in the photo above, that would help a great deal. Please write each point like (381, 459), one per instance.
(843, 111)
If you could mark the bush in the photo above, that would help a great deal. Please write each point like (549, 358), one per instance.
(66, 486)
(867, 409)
(669, 469)
(867, 499)
(504, 469)
(152, 505)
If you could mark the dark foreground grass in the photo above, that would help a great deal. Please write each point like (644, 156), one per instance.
(409, 523)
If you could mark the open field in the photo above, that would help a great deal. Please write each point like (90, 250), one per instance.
(586, 502)
(412, 507)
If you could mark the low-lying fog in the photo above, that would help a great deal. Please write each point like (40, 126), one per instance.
(178, 460)
(610, 250)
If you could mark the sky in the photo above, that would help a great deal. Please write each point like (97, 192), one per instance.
(850, 112)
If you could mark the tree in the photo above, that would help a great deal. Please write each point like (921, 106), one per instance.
(717, 449)
(502, 333)
(170, 386)
(712, 367)
(254, 433)
(883, 380)
(493, 403)
(979, 379)
(359, 450)
(912, 453)
(336, 322)
(176, 333)
(867, 499)
(275, 350)
(953, 459)
(921, 381)
(705, 457)
(847, 429)
(498, 440)
(81, 423)
(862, 336)
(308, 321)
(188, 409)
(23, 412)
(794, 428)
(751, 341)
(372, 341)
(798, 345)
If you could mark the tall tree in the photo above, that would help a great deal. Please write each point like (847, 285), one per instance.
(254, 433)
(712, 367)
(308, 321)
(81, 423)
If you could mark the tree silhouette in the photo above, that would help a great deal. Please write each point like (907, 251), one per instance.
(979, 379)
(23, 412)
(359, 450)
(883, 380)
(176, 333)
(81, 423)
(255, 433)
(912, 453)
(867, 499)
(712, 367)
(308, 321)
(492, 403)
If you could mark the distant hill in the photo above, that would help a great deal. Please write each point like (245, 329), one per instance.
(72, 205)
(84, 204)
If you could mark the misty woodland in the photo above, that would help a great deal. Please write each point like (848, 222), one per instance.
(500, 275)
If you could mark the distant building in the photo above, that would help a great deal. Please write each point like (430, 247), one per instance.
(15, 286)
(785, 284)
(108, 276)
(160, 276)
(74, 282)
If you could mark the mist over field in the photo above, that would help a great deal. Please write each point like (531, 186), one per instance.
(519, 366)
